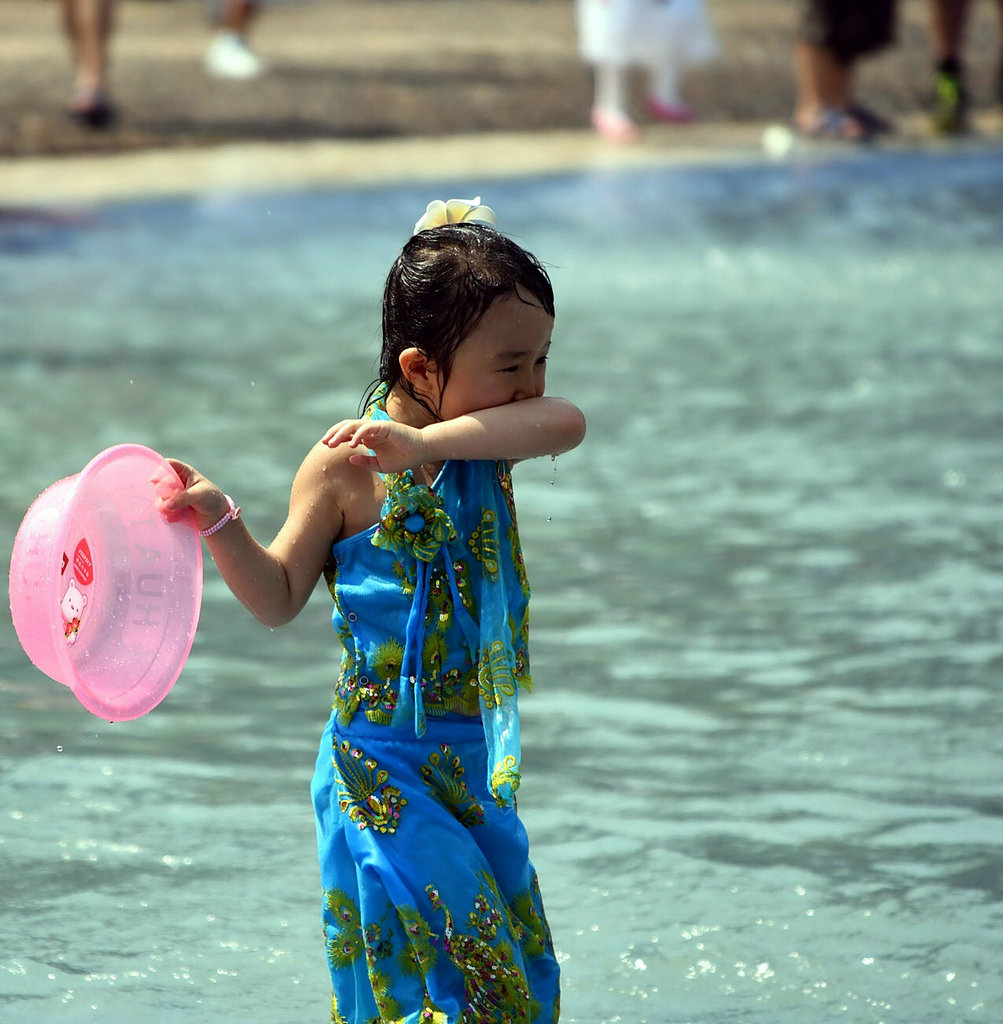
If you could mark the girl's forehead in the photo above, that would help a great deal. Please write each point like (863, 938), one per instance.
(509, 317)
(513, 307)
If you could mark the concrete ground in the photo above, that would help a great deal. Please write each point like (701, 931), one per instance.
(378, 90)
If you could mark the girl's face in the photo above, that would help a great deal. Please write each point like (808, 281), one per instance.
(504, 359)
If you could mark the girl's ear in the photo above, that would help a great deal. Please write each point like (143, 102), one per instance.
(418, 369)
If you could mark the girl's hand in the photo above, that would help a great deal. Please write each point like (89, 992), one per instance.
(394, 446)
(200, 494)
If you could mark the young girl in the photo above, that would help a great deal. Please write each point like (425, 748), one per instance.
(663, 37)
(431, 905)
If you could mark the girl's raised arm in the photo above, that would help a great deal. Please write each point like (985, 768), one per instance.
(518, 430)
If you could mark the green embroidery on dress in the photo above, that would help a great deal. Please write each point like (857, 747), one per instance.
(532, 930)
(440, 603)
(345, 947)
(380, 698)
(506, 773)
(444, 776)
(387, 660)
(494, 676)
(520, 649)
(405, 577)
(413, 519)
(495, 987)
(381, 984)
(505, 482)
(336, 1017)
(348, 659)
(346, 694)
(346, 697)
(462, 573)
(483, 543)
(420, 955)
(485, 918)
(331, 576)
(379, 946)
(367, 797)
(433, 654)
(518, 562)
(431, 1014)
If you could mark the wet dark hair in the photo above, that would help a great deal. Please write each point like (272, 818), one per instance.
(440, 287)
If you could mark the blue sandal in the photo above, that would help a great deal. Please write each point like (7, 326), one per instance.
(831, 125)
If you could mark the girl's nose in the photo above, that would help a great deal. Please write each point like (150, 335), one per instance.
(528, 386)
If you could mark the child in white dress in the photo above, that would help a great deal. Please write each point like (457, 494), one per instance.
(662, 37)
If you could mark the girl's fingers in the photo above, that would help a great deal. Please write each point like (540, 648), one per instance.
(340, 433)
(187, 473)
(361, 435)
(167, 488)
(172, 515)
(173, 506)
(372, 433)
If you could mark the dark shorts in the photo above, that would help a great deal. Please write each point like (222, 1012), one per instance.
(849, 28)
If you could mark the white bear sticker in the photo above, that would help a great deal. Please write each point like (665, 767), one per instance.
(72, 607)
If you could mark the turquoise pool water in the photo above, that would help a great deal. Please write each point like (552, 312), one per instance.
(765, 754)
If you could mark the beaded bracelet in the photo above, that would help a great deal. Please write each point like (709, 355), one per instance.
(231, 515)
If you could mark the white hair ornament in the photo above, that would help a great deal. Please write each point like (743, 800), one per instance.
(455, 211)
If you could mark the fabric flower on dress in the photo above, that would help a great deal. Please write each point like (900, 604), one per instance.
(413, 520)
(455, 211)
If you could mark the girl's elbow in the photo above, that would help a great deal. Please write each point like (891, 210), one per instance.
(573, 427)
(580, 427)
(281, 615)
(273, 621)
(273, 614)
(272, 618)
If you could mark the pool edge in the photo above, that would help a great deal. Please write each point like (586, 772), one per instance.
(258, 167)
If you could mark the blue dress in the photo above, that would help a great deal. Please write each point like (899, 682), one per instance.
(432, 908)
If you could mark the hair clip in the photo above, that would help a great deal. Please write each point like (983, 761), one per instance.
(456, 211)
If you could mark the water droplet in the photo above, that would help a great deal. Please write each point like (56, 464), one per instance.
(59, 748)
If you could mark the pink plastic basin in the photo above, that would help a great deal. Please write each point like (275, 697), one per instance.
(105, 593)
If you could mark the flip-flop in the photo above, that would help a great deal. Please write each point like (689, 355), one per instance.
(670, 113)
(870, 121)
(92, 112)
(832, 125)
(613, 125)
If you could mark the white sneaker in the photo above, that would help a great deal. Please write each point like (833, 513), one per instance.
(230, 57)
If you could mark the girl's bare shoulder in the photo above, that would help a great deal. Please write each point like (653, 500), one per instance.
(353, 493)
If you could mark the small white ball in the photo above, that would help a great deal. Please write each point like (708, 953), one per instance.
(778, 141)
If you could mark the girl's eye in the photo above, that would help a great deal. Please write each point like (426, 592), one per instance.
(510, 369)
(542, 361)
